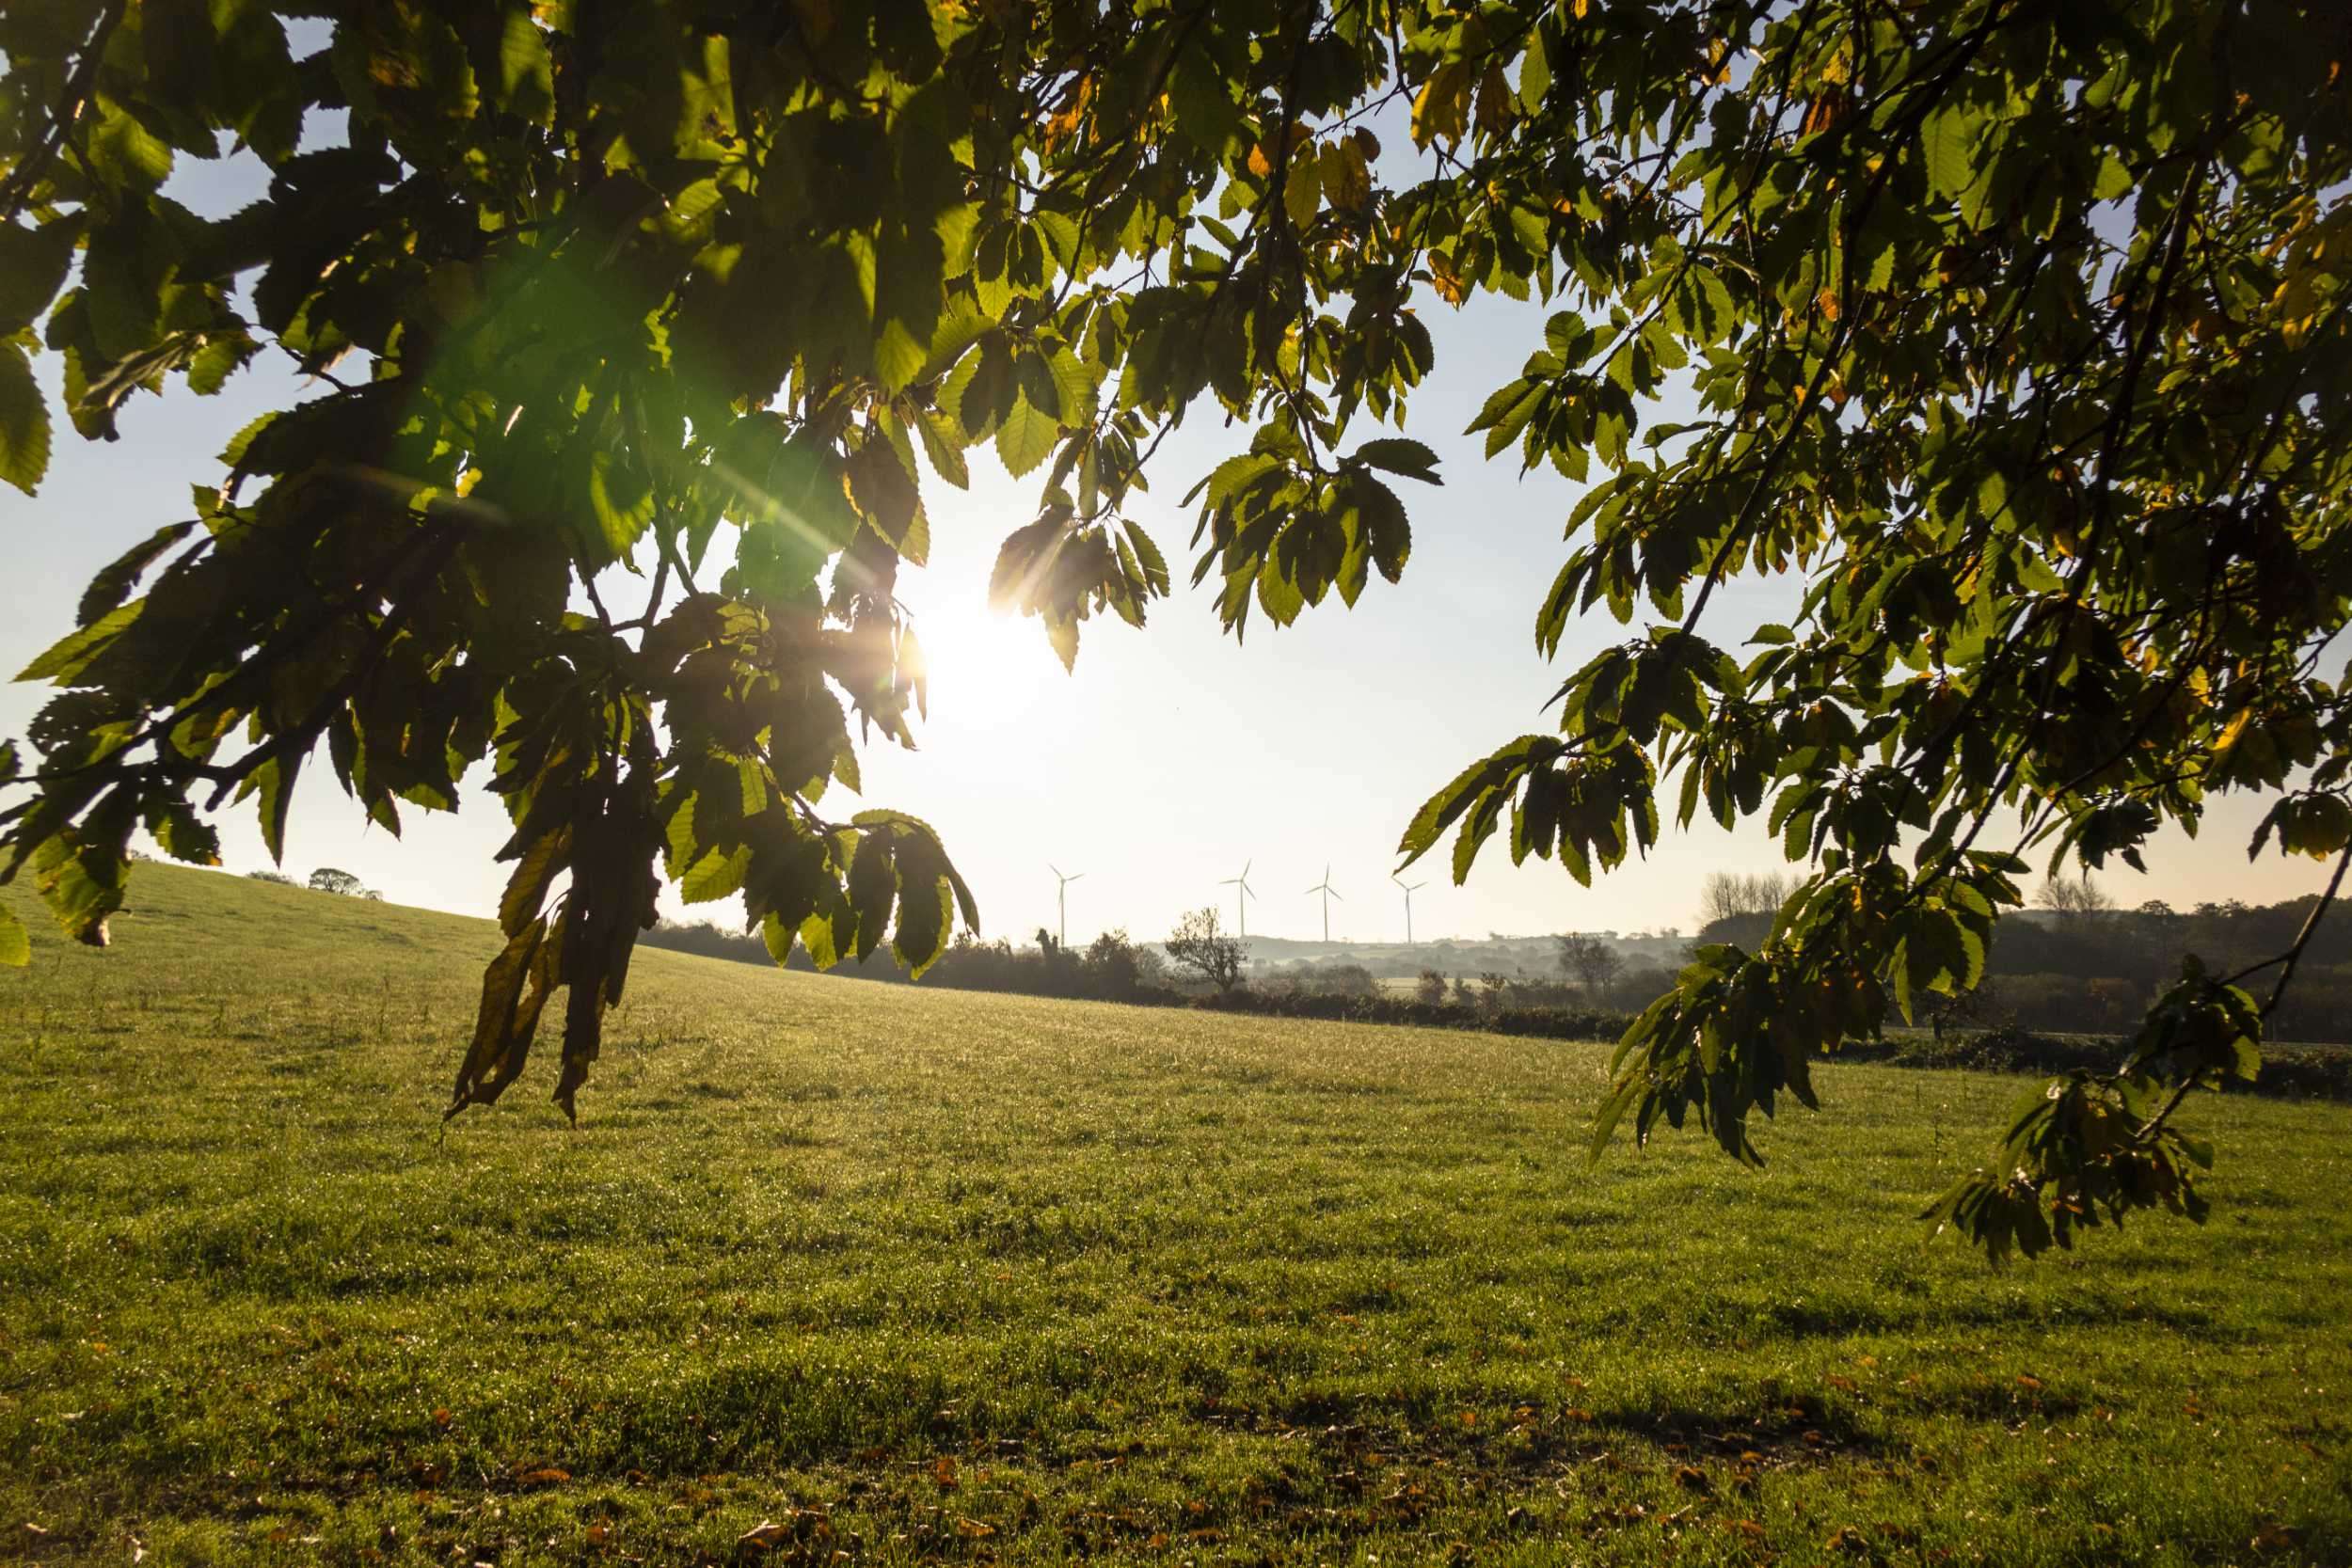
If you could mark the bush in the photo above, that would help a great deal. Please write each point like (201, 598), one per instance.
(1564, 1023)
(2321, 1073)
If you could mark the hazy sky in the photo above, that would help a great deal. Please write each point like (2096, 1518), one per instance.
(1169, 758)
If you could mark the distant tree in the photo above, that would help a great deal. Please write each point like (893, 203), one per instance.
(278, 876)
(1198, 946)
(1343, 979)
(1730, 895)
(1117, 968)
(2157, 908)
(2072, 896)
(326, 879)
(1430, 988)
(1963, 1007)
(1591, 963)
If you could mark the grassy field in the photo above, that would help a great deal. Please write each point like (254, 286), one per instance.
(915, 1277)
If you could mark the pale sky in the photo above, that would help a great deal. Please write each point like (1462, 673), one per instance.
(1169, 758)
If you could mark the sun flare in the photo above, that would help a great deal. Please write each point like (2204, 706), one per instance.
(986, 667)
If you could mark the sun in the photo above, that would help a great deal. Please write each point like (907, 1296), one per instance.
(987, 669)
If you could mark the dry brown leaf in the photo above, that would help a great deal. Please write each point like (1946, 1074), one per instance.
(765, 1536)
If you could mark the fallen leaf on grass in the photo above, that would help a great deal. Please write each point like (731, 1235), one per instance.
(2273, 1537)
(1693, 1477)
(545, 1476)
(1847, 1539)
(765, 1536)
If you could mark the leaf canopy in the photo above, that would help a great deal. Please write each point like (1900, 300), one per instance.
(2015, 333)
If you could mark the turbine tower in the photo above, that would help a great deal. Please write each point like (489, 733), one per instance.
(1410, 888)
(1241, 894)
(1328, 893)
(1061, 900)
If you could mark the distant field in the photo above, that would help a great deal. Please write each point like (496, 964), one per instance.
(922, 1277)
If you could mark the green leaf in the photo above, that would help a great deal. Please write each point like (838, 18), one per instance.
(1027, 437)
(622, 499)
(23, 423)
(33, 267)
(944, 441)
(122, 150)
(1073, 388)
(113, 582)
(899, 358)
(526, 72)
(715, 876)
(72, 654)
(1949, 136)
(1398, 455)
(1302, 189)
(960, 326)
(1390, 537)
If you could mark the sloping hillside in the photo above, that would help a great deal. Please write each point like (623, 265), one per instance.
(922, 1276)
(181, 915)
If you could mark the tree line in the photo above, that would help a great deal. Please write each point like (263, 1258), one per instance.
(2080, 966)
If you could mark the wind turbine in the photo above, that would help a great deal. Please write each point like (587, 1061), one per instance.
(1410, 888)
(1061, 899)
(1242, 895)
(1325, 888)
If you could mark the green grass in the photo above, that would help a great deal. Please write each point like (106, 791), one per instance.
(932, 1277)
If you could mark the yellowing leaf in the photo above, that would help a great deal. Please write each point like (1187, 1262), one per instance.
(1346, 178)
(1442, 111)
(1302, 189)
